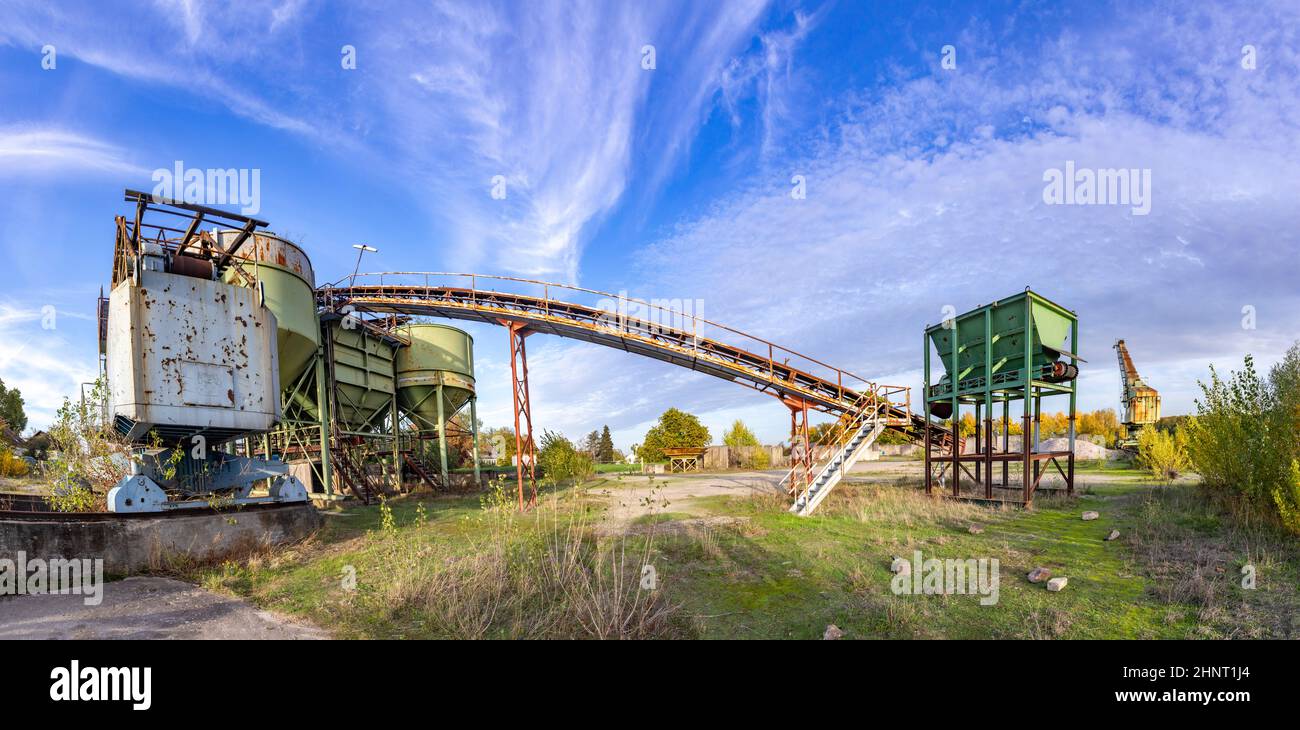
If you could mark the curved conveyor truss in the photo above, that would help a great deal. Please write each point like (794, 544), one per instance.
(688, 341)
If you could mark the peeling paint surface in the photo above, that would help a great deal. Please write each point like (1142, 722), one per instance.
(186, 352)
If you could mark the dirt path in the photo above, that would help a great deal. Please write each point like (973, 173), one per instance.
(638, 496)
(146, 608)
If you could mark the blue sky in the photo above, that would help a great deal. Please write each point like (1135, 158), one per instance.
(923, 183)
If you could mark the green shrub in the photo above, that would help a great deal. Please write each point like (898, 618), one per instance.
(1245, 439)
(86, 451)
(561, 462)
(74, 498)
(1162, 453)
(750, 452)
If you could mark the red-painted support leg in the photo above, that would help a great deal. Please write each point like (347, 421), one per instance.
(801, 456)
(525, 446)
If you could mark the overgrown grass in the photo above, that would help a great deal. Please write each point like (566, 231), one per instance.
(776, 575)
(617, 468)
(1203, 554)
(779, 575)
(454, 568)
(743, 567)
(1111, 468)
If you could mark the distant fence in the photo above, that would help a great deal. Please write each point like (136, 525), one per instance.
(744, 457)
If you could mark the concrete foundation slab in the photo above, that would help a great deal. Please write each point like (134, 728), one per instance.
(131, 543)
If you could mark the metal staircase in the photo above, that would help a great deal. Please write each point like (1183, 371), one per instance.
(353, 474)
(858, 435)
(423, 470)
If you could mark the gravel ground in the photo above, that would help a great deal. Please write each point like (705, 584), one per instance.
(146, 608)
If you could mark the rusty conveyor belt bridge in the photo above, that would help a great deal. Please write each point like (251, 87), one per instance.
(639, 327)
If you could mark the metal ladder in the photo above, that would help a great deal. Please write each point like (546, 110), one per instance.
(355, 477)
(869, 426)
(422, 470)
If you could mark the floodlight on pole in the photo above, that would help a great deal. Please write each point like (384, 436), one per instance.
(361, 251)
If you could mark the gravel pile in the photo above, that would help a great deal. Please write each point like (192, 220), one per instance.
(1082, 449)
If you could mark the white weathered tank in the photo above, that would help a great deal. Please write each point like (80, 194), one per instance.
(188, 355)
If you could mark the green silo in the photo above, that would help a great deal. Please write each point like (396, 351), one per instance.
(362, 367)
(286, 278)
(1022, 349)
(437, 356)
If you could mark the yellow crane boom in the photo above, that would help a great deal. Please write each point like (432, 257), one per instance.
(1141, 402)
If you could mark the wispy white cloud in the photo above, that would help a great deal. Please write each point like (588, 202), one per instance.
(42, 359)
(210, 45)
(923, 188)
(770, 76)
(27, 150)
(927, 193)
(187, 14)
(550, 98)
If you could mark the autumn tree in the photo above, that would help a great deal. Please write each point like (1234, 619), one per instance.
(11, 408)
(591, 445)
(752, 454)
(675, 429)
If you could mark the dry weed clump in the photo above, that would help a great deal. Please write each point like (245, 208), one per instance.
(537, 575)
(1198, 552)
(899, 504)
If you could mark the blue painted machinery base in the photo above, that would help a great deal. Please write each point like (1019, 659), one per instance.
(218, 481)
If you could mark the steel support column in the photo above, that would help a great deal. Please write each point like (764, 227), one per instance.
(1074, 393)
(1038, 431)
(925, 403)
(442, 439)
(323, 411)
(394, 418)
(1026, 428)
(473, 429)
(957, 443)
(525, 447)
(801, 456)
(987, 443)
(1006, 438)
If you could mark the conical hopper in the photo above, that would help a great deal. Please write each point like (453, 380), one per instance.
(437, 356)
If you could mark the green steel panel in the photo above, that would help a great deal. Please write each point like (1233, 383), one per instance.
(297, 329)
(363, 375)
(437, 356)
(981, 364)
(286, 278)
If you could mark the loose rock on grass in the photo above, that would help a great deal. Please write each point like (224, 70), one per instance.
(1088, 516)
(1038, 575)
(832, 632)
(1055, 585)
(1114, 535)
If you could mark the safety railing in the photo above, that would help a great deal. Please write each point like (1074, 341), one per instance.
(629, 315)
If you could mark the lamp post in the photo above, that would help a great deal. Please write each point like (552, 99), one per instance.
(361, 251)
